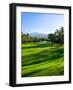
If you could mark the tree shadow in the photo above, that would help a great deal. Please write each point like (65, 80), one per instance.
(30, 73)
(51, 54)
(39, 46)
(51, 72)
(43, 56)
(33, 56)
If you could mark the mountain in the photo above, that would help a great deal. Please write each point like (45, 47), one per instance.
(38, 35)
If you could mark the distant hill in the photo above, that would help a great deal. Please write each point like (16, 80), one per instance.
(38, 35)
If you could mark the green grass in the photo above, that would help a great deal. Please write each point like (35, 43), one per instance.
(42, 59)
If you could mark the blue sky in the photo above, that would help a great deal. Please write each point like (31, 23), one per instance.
(41, 22)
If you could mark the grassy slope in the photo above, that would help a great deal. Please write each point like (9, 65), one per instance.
(42, 59)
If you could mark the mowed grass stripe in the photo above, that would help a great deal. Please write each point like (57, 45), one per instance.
(50, 65)
(42, 61)
(45, 55)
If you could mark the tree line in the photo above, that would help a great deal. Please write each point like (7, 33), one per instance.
(56, 37)
(26, 38)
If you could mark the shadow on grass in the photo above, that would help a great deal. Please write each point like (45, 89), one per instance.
(52, 54)
(39, 46)
(51, 72)
(30, 73)
(39, 54)
(43, 56)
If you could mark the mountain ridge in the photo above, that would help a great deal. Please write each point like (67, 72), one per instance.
(38, 35)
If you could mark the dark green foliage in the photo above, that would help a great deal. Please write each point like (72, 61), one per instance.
(26, 38)
(57, 37)
(51, 37)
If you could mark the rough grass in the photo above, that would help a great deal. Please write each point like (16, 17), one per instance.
(42, 59)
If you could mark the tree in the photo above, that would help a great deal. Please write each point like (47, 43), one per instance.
(51, 37)
(27, 34)
(58, 36)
